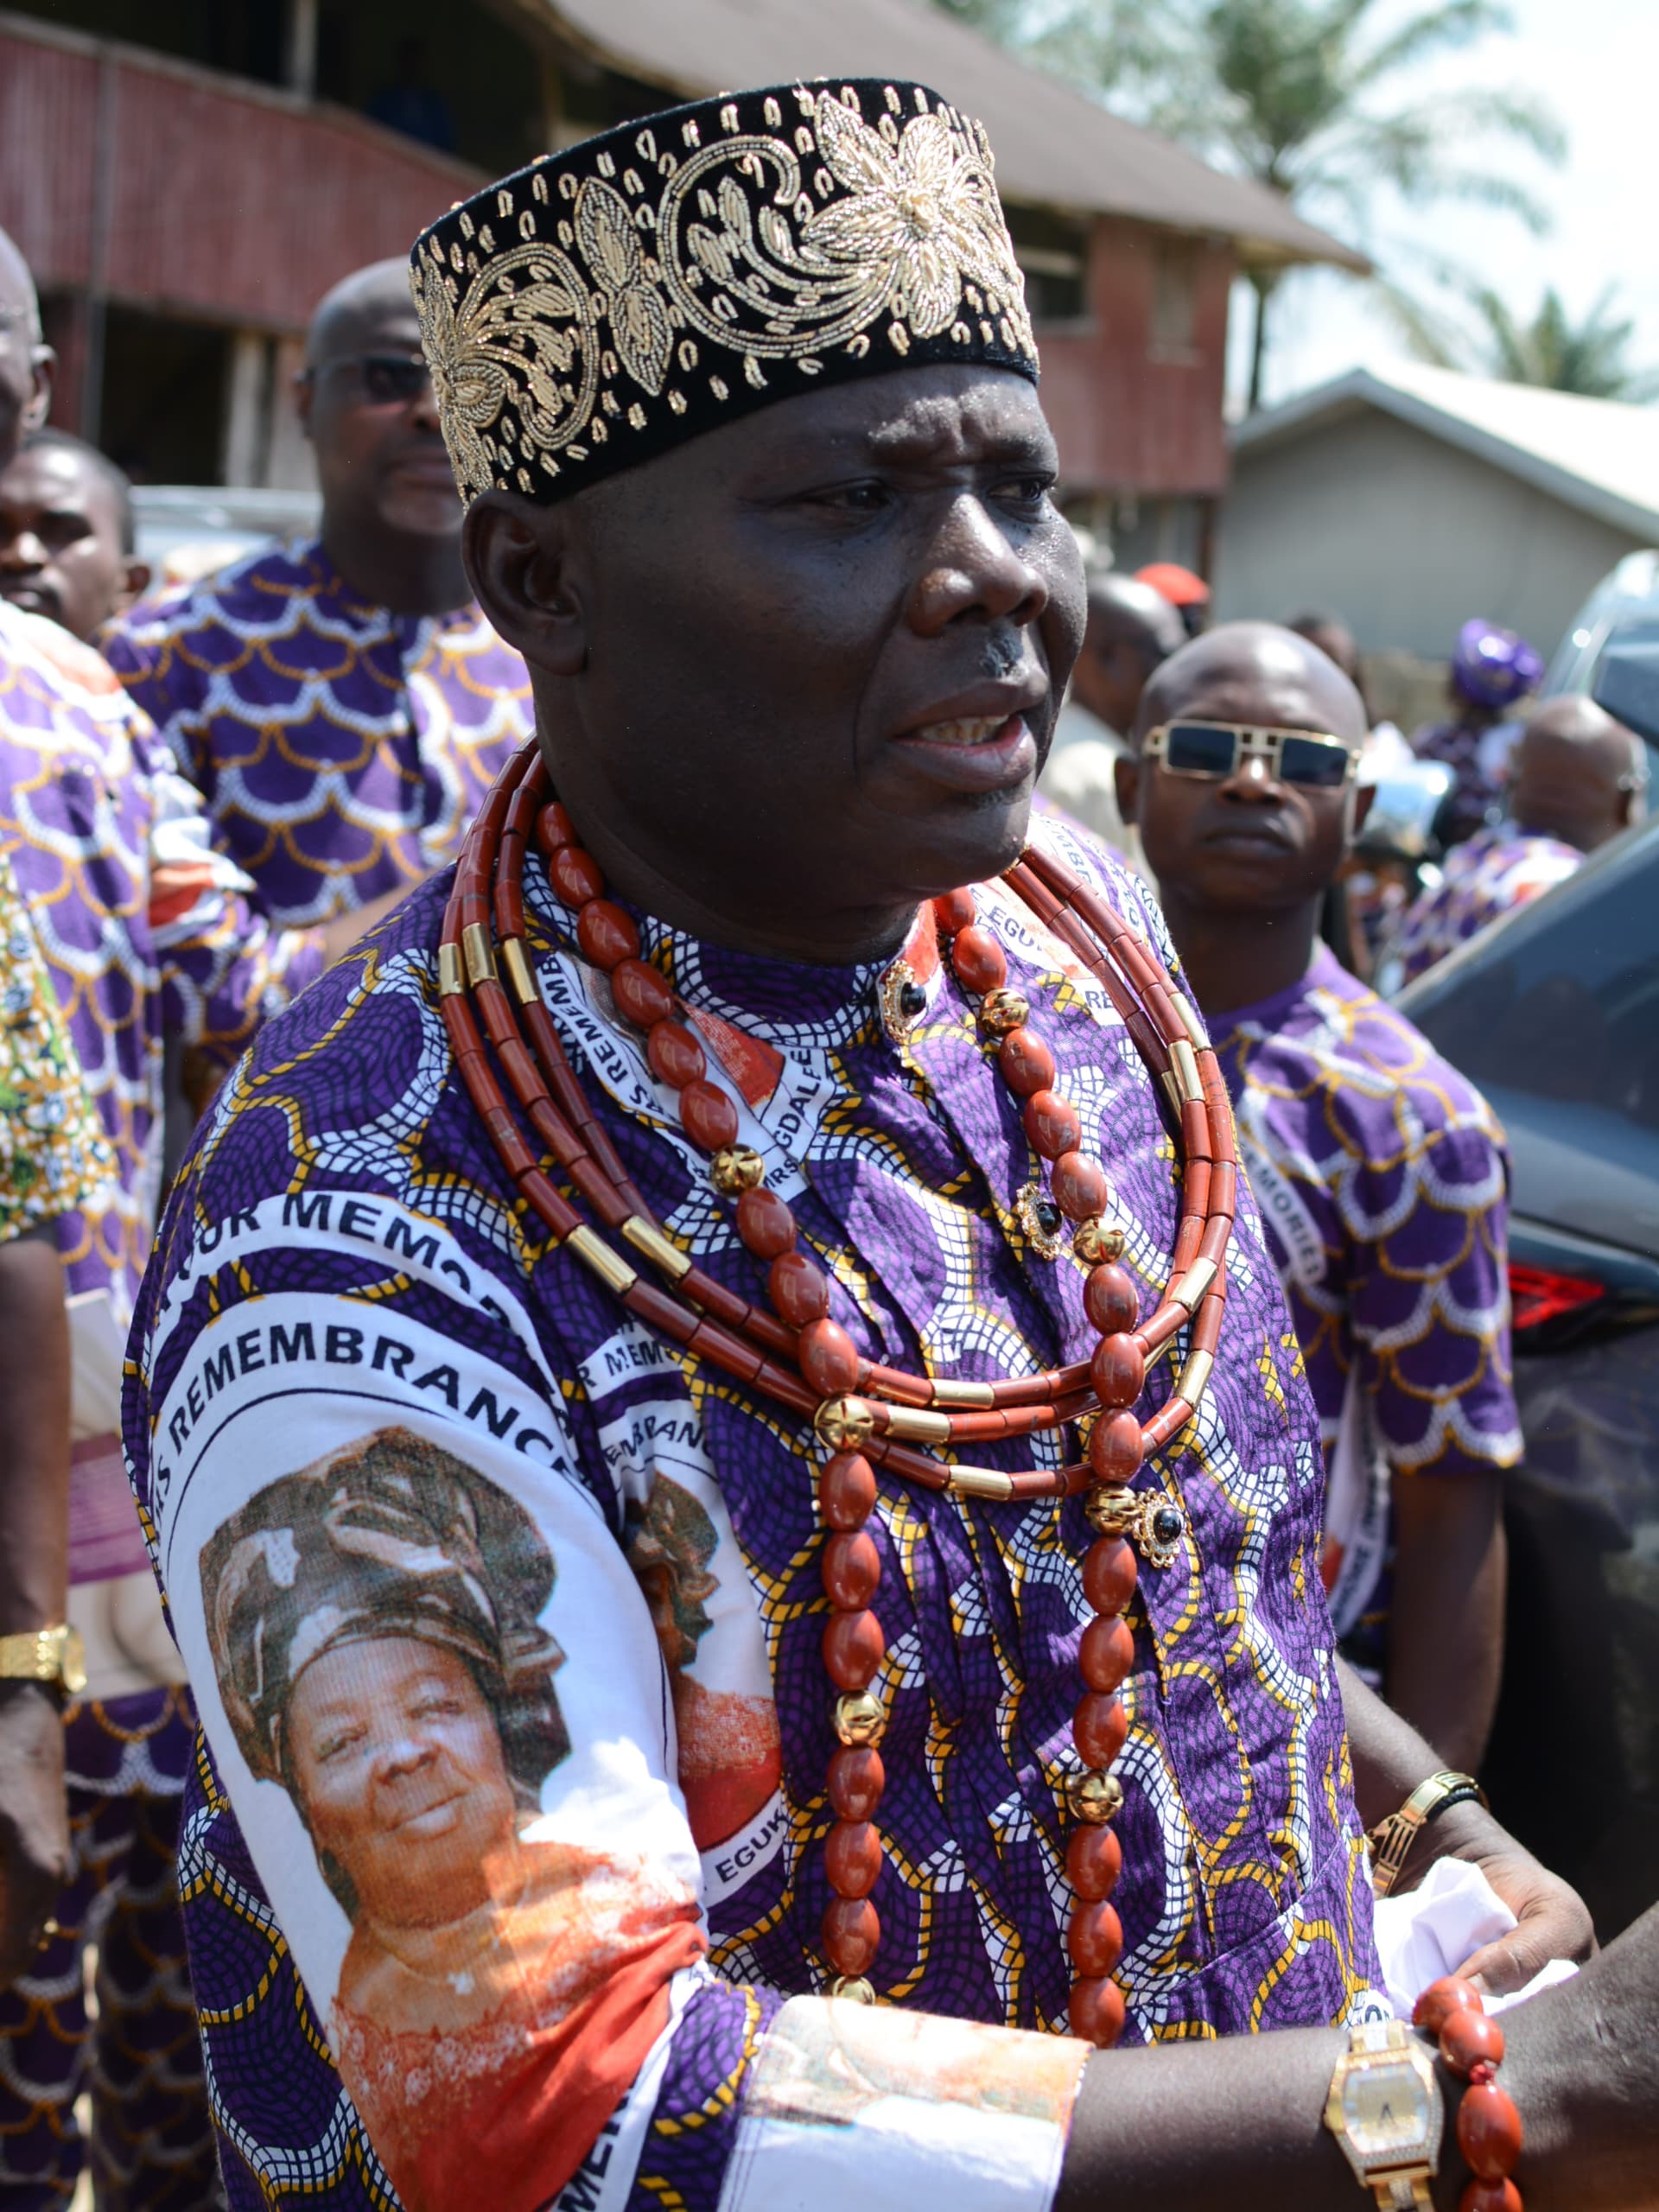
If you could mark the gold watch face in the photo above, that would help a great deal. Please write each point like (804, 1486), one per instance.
(71, 1663)
(1385, 2109)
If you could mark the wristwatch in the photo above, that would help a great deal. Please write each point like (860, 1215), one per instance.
(46, 1654)
(1391, 1840)
(1385, 2108)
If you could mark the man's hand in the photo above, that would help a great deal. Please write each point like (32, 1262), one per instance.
(1552, 1920)
(34, 1823)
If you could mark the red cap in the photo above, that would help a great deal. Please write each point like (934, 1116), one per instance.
(1176, 584)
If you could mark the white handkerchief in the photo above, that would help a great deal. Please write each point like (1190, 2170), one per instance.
(1430, 1931)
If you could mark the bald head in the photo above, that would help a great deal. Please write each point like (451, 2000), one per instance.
(1131, 629)
(370, 308)
(1576, 774)
(25, 362)
(1254, 672)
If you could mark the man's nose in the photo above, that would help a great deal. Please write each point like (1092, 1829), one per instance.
(1253, 779)
(22, 550)
(972, 568)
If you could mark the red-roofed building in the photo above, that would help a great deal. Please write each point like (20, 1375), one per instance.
(185, 198)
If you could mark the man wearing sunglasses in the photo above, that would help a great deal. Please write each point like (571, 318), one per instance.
(1381, 1174)
(342, 703)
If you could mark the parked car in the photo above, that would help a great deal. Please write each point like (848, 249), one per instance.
(1622, 611)
(1554, 1012)
(186, 531)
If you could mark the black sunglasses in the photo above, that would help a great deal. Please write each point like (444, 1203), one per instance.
(387, 379)
(1214, 750)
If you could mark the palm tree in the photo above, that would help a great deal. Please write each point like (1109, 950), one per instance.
(1588, 358)
(1294, 93)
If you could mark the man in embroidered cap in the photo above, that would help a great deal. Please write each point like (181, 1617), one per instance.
(743, 399)
(340, 703)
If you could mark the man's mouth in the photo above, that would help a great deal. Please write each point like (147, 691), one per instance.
(32, 598)
(965, 729)
(974, 755)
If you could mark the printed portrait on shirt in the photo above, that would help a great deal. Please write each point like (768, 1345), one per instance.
(730, 1757)
(374, 1620)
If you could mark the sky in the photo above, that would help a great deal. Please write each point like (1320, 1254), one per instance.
(1597, 63)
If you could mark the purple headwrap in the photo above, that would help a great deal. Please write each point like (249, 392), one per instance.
(1494, 667)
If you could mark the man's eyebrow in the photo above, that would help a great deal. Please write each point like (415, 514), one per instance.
(900, 443)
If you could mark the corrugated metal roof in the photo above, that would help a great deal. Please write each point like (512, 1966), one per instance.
(1600, 455)
(1053, 146)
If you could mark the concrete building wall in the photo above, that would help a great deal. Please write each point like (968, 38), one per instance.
(1404, 535)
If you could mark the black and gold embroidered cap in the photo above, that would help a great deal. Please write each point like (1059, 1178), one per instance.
(614, 300)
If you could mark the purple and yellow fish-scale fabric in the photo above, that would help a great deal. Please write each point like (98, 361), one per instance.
(1384, 1182)
(143, 928)
(341, 749)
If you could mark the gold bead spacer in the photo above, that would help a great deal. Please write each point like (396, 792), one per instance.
(857, 1718)
(853, 1987)
(999, 1011)
(1114, 1510)
(844, 1423)
(736, 1168)
(1093, 1798)
(1095, 1243)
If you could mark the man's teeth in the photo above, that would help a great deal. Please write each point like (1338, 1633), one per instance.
(966, 730)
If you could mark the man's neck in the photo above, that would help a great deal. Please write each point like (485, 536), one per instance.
(407, 573)
(1233, 960)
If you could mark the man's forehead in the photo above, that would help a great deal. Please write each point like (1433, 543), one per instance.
(922, 417)
(382, 317)
(52, 476)
(1273, 679)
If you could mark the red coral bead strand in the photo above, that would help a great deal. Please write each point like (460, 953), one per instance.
(854, 1648)
(1489, 2127)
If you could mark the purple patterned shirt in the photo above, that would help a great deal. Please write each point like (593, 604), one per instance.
(341, 749)
(378, 1420)
(1495, 869)
(1383, 1180)
(144, 927)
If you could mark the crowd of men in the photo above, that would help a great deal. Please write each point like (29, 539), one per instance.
(216, 799)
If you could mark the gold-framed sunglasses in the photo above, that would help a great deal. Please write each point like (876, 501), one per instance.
(1216, 750)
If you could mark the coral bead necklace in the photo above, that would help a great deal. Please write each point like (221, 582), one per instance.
(868, 1414)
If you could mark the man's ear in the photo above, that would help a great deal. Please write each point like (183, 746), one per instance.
(1364, 795)
(1126, 775)
(43, 369)
(519, 558)
(305, 390)
(135, 582)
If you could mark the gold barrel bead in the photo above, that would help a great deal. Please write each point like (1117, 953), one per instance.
(982, 1482)
(596, 1254)
(475, 949)
(646, 1238)
(912, 1425)
(452, 983)
(517, 967)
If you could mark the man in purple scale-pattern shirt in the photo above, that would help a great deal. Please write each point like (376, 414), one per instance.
(1381, 1174)
(341, 704)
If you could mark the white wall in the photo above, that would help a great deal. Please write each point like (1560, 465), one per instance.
(1404, 537)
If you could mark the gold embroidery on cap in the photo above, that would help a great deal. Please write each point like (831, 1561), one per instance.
(906, 227)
